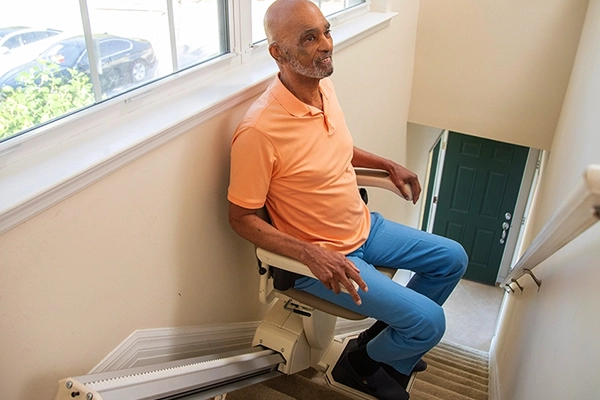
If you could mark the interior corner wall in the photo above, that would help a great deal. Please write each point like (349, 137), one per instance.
(420, 141)
(546, 345)
(495, 69)
(149, 246)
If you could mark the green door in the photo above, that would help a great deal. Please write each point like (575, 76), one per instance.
(478, 192)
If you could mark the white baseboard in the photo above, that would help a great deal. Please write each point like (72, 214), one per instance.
(494, 380)
(152, 346)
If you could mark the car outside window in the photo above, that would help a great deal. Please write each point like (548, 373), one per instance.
(112, 47)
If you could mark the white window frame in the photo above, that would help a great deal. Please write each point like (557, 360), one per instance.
(50, 163)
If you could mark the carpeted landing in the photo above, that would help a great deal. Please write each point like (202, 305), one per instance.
(454, 372)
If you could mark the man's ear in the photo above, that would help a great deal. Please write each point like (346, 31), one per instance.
(276, 53)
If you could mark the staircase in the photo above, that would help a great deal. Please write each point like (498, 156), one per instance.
(454, 372)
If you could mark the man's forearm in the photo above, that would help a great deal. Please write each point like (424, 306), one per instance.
(364, 159)
(254, 229)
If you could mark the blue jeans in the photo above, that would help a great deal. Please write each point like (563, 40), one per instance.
(414, 313)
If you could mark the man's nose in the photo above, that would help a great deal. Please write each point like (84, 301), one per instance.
(326, 43)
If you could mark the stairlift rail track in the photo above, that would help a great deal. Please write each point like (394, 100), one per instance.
(194, 378)
(579, 212)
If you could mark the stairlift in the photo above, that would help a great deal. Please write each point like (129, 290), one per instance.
(297, 333)
(301, 326)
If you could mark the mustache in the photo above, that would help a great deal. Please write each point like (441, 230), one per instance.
(327, 55)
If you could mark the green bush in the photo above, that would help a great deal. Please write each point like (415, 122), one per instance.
(44, 95)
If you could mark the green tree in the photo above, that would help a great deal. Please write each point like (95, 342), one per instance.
(42, 96)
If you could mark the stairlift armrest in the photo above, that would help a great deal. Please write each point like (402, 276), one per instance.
(379, 178)
(291, 265)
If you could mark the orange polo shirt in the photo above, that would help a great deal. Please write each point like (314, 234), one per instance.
(296, 159)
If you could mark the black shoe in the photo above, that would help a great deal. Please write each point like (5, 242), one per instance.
(379, 385)
(420, 367)
(398, 377)
(363, 339)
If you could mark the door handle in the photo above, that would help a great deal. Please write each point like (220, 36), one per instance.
(505, 226)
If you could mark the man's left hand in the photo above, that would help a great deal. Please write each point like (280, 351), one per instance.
(402, 176)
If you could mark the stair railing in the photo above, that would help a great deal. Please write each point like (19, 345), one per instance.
(579, 211)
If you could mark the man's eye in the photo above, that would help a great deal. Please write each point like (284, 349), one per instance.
(328, 32)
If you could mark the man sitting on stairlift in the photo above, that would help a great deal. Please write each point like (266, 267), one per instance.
(293, 153)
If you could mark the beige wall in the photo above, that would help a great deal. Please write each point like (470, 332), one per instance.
(547, 345)
(495, 69)
(374, 84)
(149, 246)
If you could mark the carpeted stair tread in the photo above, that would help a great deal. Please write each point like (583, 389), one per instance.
(258, 392)
(417, 395)
(448, 354)
(452, 377)
(483, 380)
(300, 387)
(463, 350)
(454, 366)
(450, 384)
(423, 389)
(476, 369)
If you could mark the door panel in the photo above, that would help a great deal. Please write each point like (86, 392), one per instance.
(479, 189)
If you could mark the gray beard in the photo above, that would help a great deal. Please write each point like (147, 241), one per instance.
(309, 72)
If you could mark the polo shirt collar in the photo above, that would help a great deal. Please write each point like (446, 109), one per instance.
(292, 104)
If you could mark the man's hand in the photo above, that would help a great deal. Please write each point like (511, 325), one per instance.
(401, 176)
(334, 269)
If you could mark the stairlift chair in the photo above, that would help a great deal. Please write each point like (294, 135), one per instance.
(299, 325)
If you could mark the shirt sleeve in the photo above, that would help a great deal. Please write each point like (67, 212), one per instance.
(252, 164)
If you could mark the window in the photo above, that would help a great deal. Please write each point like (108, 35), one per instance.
(106, 48)
(95, 50)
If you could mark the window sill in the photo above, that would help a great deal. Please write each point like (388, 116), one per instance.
(135, 126)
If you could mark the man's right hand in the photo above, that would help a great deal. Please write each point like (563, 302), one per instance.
(334, 269)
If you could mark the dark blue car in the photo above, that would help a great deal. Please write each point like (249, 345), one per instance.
(122, 61)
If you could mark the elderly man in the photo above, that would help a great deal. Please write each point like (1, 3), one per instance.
(293, 153)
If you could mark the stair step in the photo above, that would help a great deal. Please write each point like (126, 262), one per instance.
(449, 376)
(463, 350)
(446, 364)
(301, 387)
(465, 388)
(449, 354)
(258, 392)
(482, 379)
(475, 369)
(427, 391)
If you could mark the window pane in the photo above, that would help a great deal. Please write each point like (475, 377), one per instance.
(36, 89)
(259, 7)
(142, 27)
(47, 73)
(200, 31)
